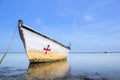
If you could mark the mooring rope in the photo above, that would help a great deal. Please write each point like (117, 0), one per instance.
(10, 43)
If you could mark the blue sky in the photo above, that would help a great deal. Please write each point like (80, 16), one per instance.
(89, 25)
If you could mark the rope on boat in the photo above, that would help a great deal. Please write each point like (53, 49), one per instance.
(10, 43)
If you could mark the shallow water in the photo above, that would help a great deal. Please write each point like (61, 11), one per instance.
(92, 65)
(96, 63)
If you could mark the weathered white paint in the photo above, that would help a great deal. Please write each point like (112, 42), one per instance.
(35, 45)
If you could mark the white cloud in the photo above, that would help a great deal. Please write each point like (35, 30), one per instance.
(38, 21)
(89, 18)
(96, 9)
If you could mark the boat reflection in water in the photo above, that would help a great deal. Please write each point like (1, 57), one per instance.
(48, 71)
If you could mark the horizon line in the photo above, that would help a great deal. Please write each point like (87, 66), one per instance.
(73, 52)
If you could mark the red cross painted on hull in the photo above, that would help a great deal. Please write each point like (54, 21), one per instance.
(47, 49)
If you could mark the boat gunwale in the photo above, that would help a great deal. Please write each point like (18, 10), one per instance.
(24, 26)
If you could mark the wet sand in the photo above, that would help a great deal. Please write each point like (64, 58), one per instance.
(10, 73)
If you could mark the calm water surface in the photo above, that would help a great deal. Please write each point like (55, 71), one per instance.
(101, 63)
(91, 64)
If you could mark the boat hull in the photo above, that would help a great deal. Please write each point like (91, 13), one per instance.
(41, 57)
(40, 48)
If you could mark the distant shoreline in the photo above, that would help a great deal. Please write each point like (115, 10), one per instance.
(73, 52)
(96, 52)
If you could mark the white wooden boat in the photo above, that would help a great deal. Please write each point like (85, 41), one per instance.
(39, 47)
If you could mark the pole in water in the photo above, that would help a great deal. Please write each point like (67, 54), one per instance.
(9, 45)
(3, 57)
